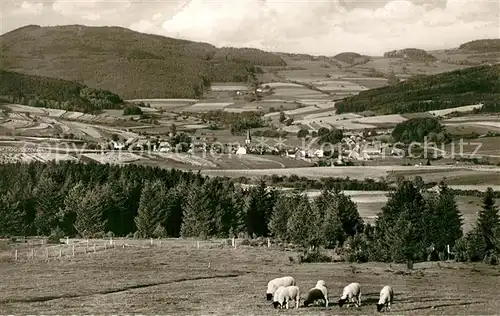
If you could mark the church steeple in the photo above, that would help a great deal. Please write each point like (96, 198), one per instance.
(248, 139)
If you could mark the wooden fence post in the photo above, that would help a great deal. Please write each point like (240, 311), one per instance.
(197, 245)
(67, 240)
(73, 250)
(60, 253)
(111, 241)
(151, 241)
(232, 242)
(15, 255)
(268, 243)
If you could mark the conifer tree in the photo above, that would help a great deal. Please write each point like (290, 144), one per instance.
(11, 214)
(339, 216)
(404, 212)
(488, 222)
(116, 214)
(278, 224)
(48, 201)
(352, 223)
(304, 224)
(173, 203)
(90, 212)
(67, 214)
(151, 212)
(444, 223)
(240, 201)
(197, 217)
(260, 206)
(221, 196)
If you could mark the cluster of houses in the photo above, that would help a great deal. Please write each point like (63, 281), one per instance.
(353, 147)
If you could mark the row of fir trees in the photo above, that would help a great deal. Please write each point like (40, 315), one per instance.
(91, 200)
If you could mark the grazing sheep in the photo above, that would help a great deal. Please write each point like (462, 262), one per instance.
(351, 293)
(284, 294)
(386, 296)
(274, 284)
(319, 292)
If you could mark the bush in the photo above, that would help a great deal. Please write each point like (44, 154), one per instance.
(99, 235)
(245, 242)
(55, 236)
(358, 249)
(110, 234)
(132, 110)
(314, 256)
(160, 231)
(302, 133)
(491, 259)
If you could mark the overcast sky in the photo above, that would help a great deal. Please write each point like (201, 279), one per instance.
(315, 26)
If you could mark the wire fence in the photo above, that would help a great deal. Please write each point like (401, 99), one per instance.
(39, 249)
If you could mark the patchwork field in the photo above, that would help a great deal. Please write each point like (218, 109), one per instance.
(466, 108)
(207, 106)
(489, 175)
(228, 86)
(217, 279)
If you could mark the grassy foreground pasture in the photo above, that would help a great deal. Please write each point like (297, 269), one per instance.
(175, 279)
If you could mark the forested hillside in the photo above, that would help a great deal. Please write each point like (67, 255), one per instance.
(482, 45)
(417, 129)
(132, 64)
(352, 58)
(410, 54)
(429, 92)
(54, 93)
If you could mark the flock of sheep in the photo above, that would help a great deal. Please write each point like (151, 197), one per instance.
(283, 290)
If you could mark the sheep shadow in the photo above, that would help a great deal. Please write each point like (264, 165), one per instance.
(439, 306)
(425, 299)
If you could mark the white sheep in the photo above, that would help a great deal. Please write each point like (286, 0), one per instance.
(284, 294)
(351, 294)
(274, 284)
(319, 292)
(386, 296)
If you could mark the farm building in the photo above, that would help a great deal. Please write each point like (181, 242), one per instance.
(319, 153)
(117, 145)
(163, 147)
(241, 151)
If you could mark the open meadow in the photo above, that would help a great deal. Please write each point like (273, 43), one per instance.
(428, 173)
(176, 278)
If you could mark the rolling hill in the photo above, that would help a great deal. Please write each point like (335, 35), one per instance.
(54, 93)
(482, 45)
(352, 58)
(429, 92)
(132, 64)
(410, 54)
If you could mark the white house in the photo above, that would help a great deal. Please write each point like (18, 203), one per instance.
(164, 147)
(241, 151)
(319, 153)
(118, 145)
